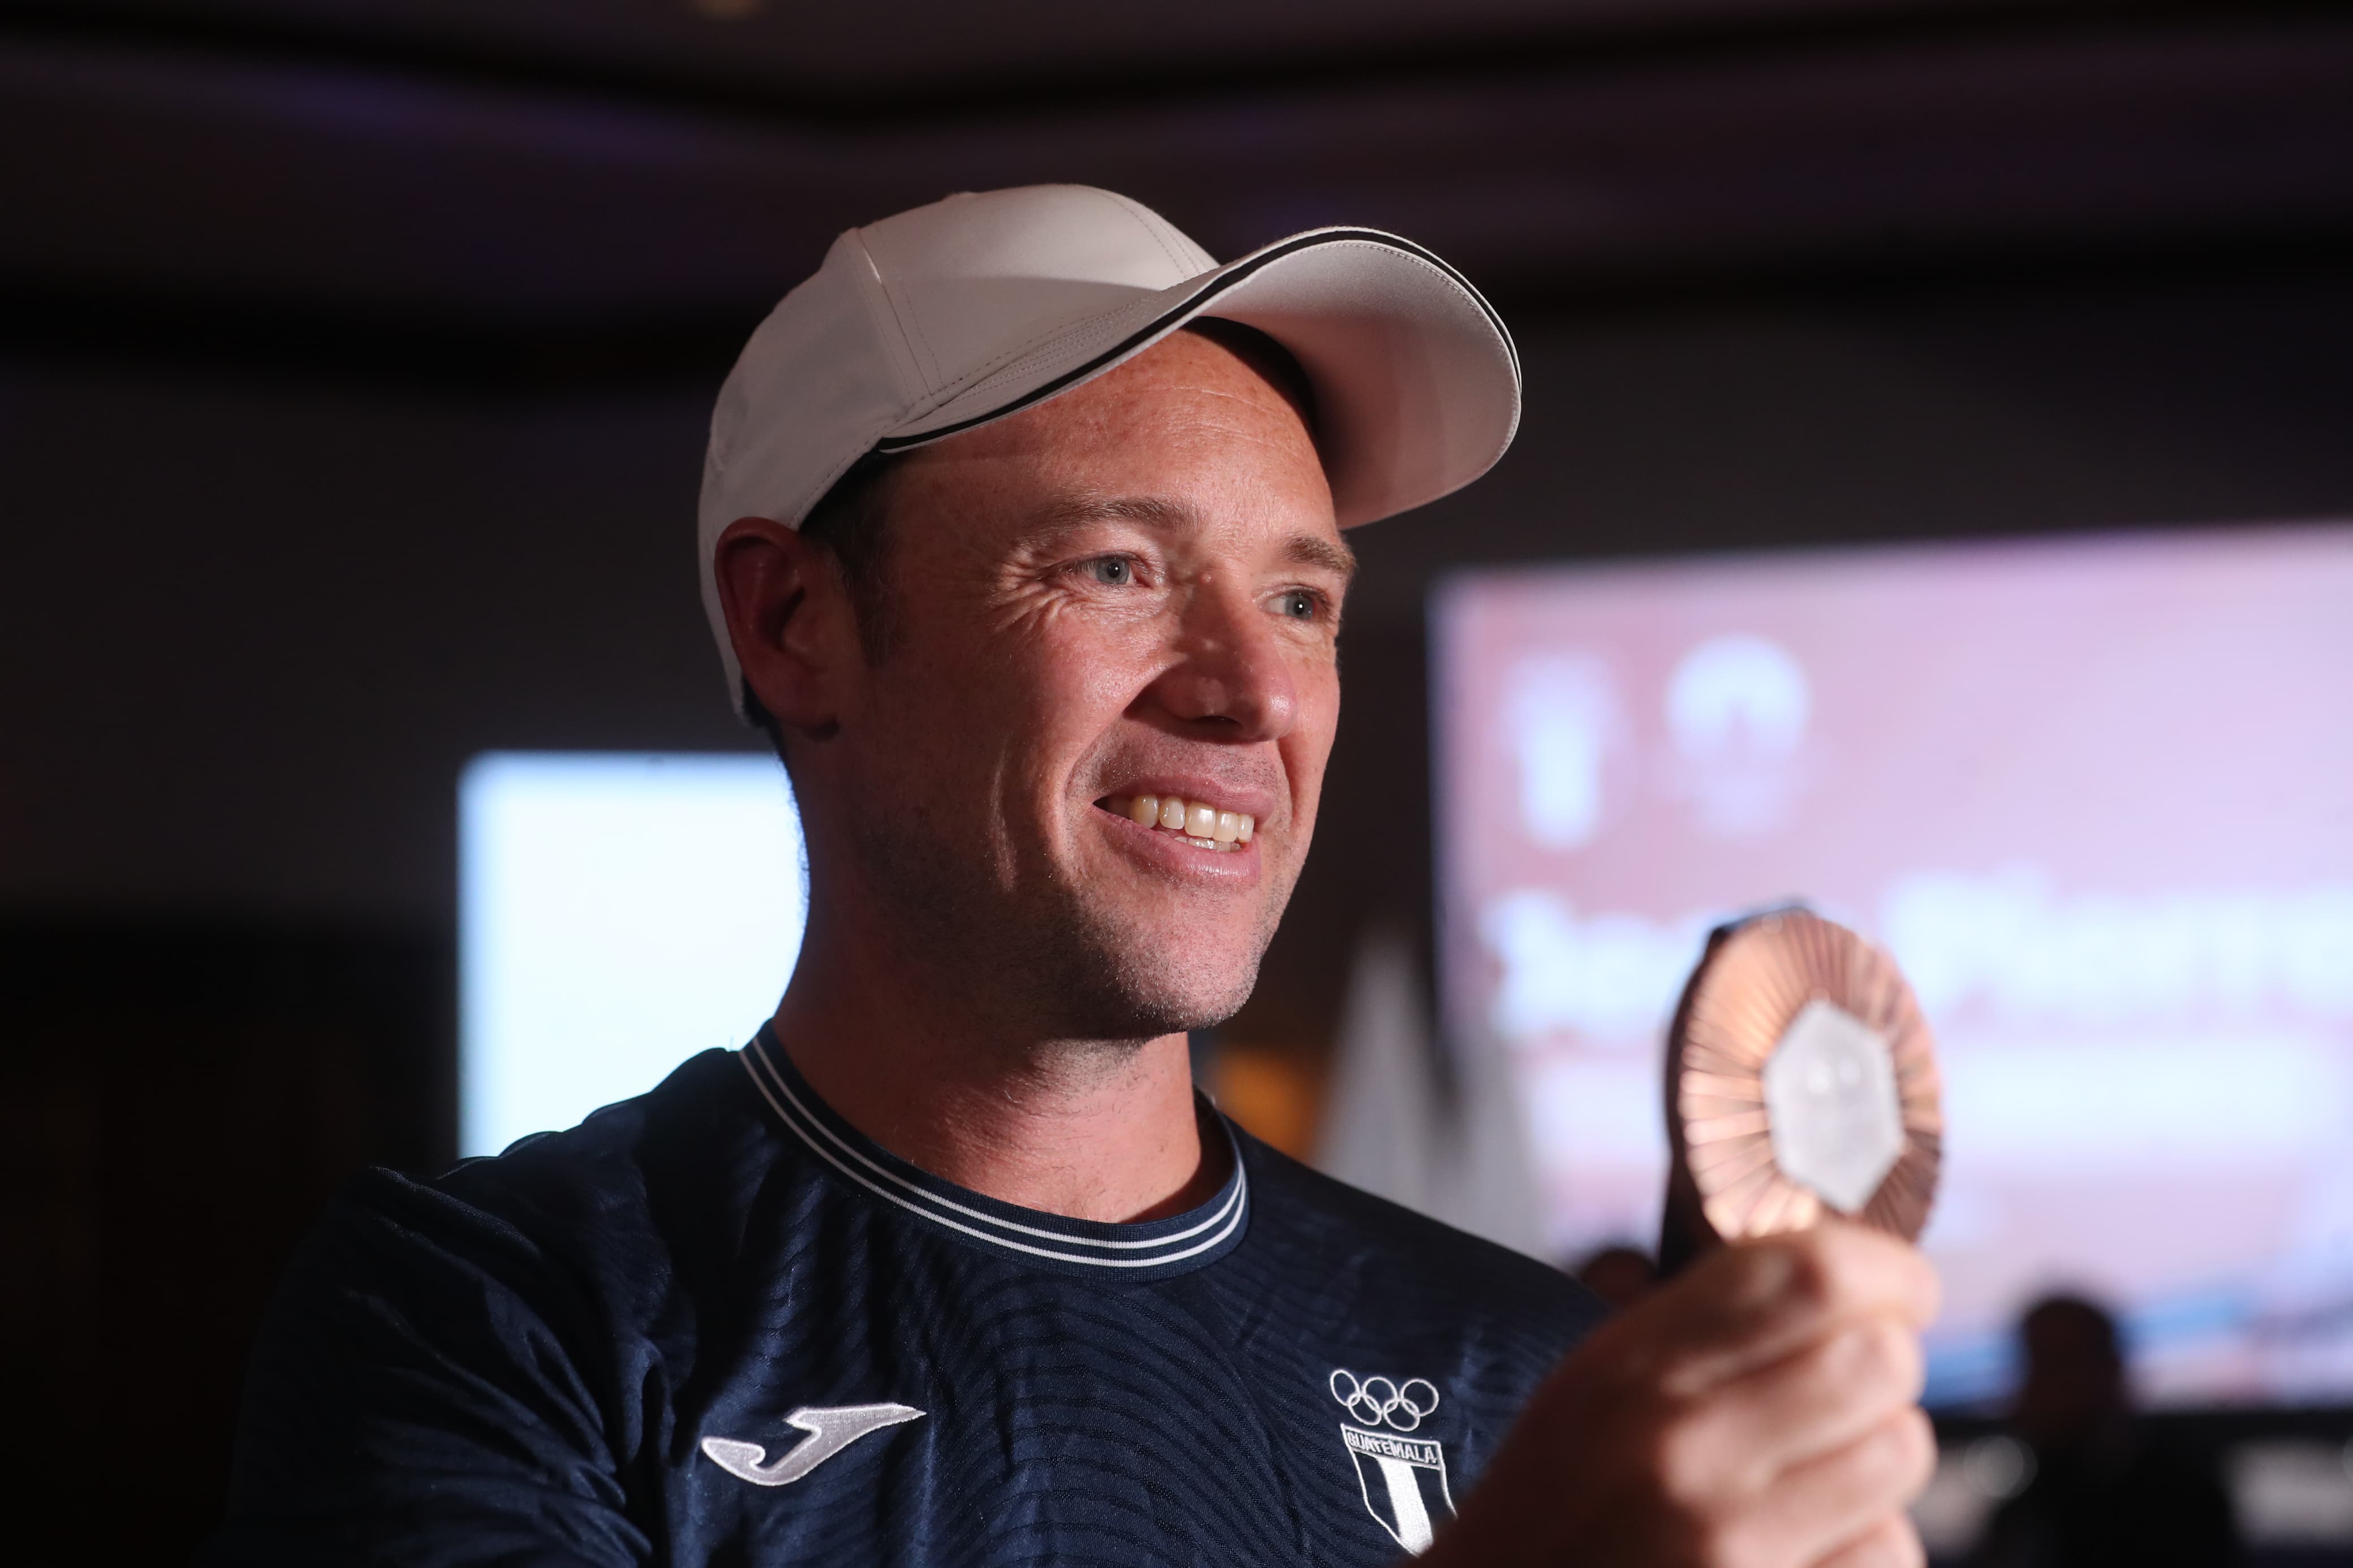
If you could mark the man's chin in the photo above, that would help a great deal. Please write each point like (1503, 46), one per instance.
(1138, 1014)
(1140, 991)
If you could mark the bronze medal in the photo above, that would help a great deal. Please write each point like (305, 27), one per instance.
(1801, 1078)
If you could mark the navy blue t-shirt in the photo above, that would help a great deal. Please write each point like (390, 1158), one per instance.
(716, 1325)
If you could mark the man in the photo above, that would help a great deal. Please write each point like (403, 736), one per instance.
(1021, 534)
(2103, 1488)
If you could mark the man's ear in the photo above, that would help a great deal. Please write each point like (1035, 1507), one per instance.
(790, 620)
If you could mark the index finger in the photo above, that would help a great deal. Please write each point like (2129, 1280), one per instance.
(1752, 1303)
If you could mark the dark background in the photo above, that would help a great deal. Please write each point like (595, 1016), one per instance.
(354, 359)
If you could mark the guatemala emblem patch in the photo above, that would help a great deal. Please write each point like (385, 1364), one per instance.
(1403, 1477)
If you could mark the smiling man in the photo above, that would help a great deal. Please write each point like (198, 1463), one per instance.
(1022, 539)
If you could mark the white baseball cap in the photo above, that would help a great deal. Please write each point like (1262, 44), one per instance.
(954, 314)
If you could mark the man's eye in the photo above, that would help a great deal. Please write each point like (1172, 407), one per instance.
(1115, 571)
(1298, 604)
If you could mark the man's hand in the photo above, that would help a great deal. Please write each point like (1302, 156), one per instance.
(1758, 1412)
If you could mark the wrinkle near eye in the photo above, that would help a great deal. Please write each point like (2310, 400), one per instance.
(1031, 598)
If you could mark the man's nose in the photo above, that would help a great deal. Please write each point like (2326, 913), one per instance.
(1232, 677)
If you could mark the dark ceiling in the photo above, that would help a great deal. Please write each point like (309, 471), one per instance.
(905, 58)
(308, 175)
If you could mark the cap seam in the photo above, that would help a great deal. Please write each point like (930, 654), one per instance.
(881, 319)
(1448, 274)
(910, 327)
(980, 373)
(1151, 222)
(946, 391)
(1047, 341)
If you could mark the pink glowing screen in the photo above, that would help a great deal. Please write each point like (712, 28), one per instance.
(2096, 797)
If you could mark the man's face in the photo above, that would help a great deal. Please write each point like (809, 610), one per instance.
(1133, 590)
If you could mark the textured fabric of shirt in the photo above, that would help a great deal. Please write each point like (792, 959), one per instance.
(716, 1325)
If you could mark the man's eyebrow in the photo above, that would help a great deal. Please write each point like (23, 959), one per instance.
(1331, 554)
(1154, 511)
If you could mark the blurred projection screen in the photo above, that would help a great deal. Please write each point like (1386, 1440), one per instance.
(2095, 795)
(617, 914)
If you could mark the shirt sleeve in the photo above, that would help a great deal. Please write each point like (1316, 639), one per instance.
(416, 1400)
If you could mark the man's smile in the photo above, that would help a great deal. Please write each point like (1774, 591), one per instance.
(1201, 823)
(1190, 825)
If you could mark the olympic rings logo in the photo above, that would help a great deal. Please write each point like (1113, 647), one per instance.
(1378, 1401)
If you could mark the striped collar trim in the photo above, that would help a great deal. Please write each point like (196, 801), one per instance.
(1182, 1242)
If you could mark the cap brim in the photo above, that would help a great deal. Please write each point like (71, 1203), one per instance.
(1416, 382)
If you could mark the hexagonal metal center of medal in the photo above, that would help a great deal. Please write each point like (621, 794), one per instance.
(1830, 1096)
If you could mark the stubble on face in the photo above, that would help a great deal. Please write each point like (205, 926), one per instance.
(1056, 956)
(964, 827)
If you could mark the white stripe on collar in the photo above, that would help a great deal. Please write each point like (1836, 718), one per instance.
(775, 1086)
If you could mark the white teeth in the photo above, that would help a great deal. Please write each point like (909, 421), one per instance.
(1205, 826)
